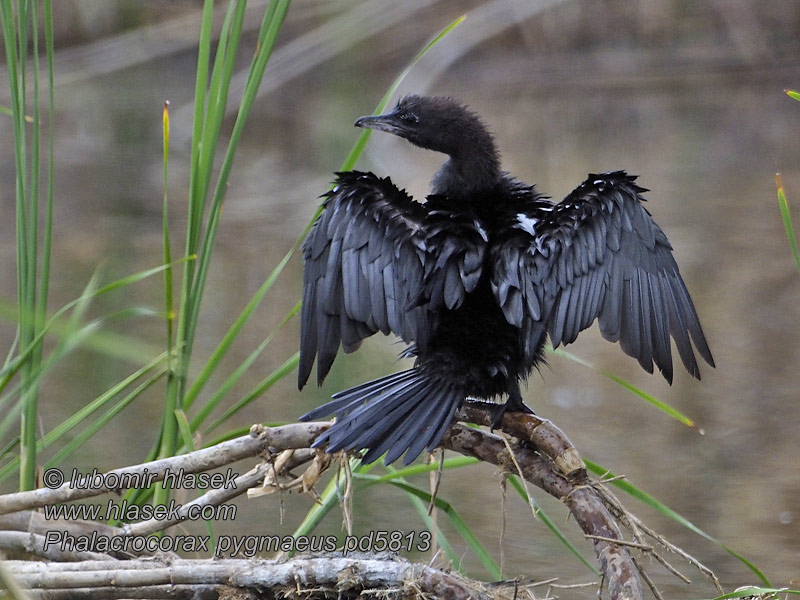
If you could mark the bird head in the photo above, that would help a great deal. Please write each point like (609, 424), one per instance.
(437, 123)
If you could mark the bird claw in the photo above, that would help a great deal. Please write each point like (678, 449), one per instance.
(510, 405)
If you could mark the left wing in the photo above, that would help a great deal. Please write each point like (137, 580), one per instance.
(598, 255)
(376, 260)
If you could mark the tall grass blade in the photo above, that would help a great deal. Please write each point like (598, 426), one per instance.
(87, 411)
(217, 100)
(430, 525)
(787, 220)
(44, 279)
(237, 374)
(265, 384)
(456, 520)
(270, 27)
(643, 496)
(88, 433)
(659, 404)
(13, 348)
(196, 195)
(169, 302)
(550, 524)
(15, 36)
(186, 432)
(200, 95)
(234, 331)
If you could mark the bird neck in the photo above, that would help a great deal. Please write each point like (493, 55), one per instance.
(471, 169)
(465, 176)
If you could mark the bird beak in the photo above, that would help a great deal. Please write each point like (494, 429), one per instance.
(388, 123)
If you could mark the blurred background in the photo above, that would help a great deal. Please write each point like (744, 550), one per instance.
(689, 95)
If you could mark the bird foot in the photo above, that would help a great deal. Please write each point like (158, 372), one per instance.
(509, 406)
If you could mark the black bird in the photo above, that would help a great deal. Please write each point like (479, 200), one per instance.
(474, 280)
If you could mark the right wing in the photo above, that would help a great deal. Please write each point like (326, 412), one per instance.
(376, 260)
(598, 256)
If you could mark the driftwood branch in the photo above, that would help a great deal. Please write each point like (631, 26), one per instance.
(347, 577)
(616, 563)
(541, 454)
(598, 512)
(262, 440)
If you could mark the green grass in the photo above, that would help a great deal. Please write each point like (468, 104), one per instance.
(205, 205)
(665, 510)
(33, 253)
(637, 391)
(26, 364)
(786, 216)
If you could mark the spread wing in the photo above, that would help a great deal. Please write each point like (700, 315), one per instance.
(598, 255)
(376, 260)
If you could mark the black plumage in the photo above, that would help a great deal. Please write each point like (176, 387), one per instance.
(474, 280)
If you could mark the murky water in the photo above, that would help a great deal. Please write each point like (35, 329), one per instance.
(706, 143)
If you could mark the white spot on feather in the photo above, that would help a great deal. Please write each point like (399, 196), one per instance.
(527, 223)
(481, 230)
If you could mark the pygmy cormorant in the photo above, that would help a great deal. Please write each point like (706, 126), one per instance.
(474, 280)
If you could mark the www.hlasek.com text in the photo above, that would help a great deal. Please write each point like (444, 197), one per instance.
(129, 512)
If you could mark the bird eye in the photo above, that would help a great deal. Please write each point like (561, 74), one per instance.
(408, 117)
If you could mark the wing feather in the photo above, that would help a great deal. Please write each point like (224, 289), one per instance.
(598, 255)
(376, 260)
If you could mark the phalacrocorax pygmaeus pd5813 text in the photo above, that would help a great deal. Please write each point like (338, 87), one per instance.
(474, 280)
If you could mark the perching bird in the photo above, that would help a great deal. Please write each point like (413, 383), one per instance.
(474, 280)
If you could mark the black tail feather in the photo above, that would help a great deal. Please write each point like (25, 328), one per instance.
(361, 427)
(402, 413)
(440, 421)
(360, 390)
(401, 438)
(353, 396)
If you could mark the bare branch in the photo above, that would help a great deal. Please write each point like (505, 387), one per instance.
(543, 434)
(261, 439)
(147, 578)
(584, 504)
(541, 454)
